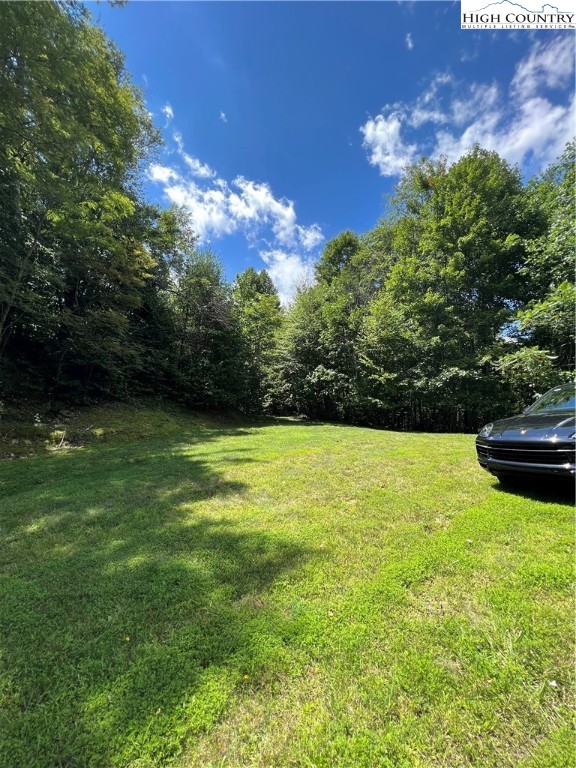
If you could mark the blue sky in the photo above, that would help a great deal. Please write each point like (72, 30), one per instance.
(288, 122)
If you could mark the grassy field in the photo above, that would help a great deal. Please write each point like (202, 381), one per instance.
(189, 591)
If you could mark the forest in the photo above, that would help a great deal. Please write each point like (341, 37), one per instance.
(455, 308)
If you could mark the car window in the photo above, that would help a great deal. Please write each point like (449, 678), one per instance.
(558, 399)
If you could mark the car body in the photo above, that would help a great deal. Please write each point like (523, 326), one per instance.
(540, 441)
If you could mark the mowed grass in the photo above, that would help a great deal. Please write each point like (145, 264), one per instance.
(187, 591)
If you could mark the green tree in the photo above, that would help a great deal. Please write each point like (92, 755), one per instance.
(74, 132)
(452, 287)
(258, 310)
(209, 348)
(337, 253)
(299, 354)
(170, 240)
(317, 367)
(547, 320)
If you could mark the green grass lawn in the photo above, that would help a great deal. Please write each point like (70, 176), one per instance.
(195, 592)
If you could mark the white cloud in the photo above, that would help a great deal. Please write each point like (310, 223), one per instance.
(549, 64)
(223, 117)
(197, 168)
(538, 130)
(428, 106)
(468, 54)
(289, 271)
(523, 122)
(478, 100)
(177, 136)
(219, 207)
(386, 147)
(168, 111)
(207, 208)
(310, 237)
(409, 42)
(162, 174)
(239, 206)
(255, 203)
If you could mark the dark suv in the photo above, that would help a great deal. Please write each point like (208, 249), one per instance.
(539, 441)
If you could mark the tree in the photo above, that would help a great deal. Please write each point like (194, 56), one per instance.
(258, 310)
(336, 255)
(451, 287)
(170, 241)
(208, 342)
(73, 132)
(547, 320)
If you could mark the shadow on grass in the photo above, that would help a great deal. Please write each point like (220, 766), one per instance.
(130, 610)
(555, 490)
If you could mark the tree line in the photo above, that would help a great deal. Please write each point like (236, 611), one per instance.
(455, 308)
